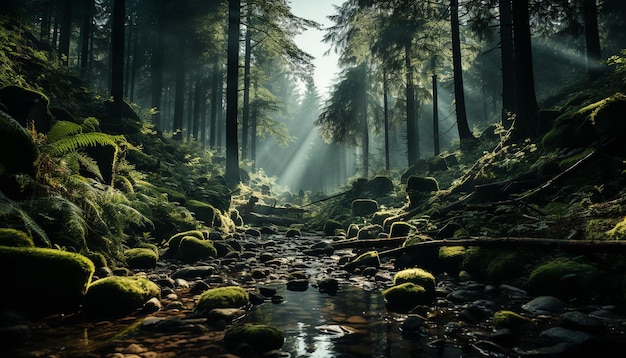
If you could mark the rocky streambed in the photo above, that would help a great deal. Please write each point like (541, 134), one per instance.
(299, 286)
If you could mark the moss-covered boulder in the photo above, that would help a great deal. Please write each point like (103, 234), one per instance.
(141, 258)
(259, 338)
(421, 184)
(451, 258)
(420, 256)
(175, 239)
(567, 278)
(511, 320)
(117, 296)
(205, 212)
(331, 226)
(404, 297)
(192, 249)
(380, 186)
(222, 297)
(98, 259)
(369, 232)
(368, 259)
(400, 229)
(18, 152)
(417, 276)
(28, 107)
(364, 207)
(43, 280)
(353, 230)
(15, 238)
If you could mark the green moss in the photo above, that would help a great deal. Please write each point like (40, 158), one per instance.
(174, 241)
(505, 265)
(569, 161)
(403, 298)
(118, 296)
(416, 239)
(15, 238)
(368, 259)
(451, 258)
(331, 226)
(364, 207)
(511, 320)
(567, 278)
(261, 338)
(205, 212)
(98, 259)
(192, 249)
(141, 258)
(173, 195)
(618, 232)
(222, 297)
(417, 276)
(353, 230)
(369, 232)
(59, 278)
(401, 228)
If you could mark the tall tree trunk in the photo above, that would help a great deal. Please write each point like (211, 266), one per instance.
(196, 108)
(592, 39)
(203, 112)
(435, 117)
(179, 95)
(508, 59)
(130, 35)
(526, 107)
(412, 143)
(219, 134)
(465, 134)
(65, 31)
(386, 114)
(365, 139)
(190, 99)
(117, 58)
(156, 64)
(245, 123)
(46, 22)
(253, 127)
(232, 78)
(216, 79)
(134, 68)
(85, 36)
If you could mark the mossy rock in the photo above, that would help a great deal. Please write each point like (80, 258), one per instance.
(421, 184)
(425, 257)
(173, 195)
(368, 259)
(370, 232)
(141, 258)
(618, 232)
(364, 207)
(417, 276)
(418, 169)
(43, 280)
(451, 258)
(15, 238)
(235, 217)
(403, 298)
(401, 229)
(28, 107)
(98, 259)
(293, 233)
(511, 320)
(205, 212)
(504, 265)
(353, 230)
(18, 151)
(437, 163)
(382, 215)
(222, 297)
(192, 249)
(567, 278)
(118, 296)
(380, 186)
(175, 240)
(331, 226)
(261, 338)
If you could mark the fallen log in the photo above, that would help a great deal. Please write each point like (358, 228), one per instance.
(260, 219)
(373, 243)
(607, 246)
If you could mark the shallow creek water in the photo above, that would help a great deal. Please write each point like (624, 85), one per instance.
(353, 322)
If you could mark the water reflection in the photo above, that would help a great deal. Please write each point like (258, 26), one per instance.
(372, 331)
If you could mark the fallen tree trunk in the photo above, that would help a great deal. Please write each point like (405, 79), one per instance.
(608, 246)
(356, 243)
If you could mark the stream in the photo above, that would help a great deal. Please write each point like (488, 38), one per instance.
(353, 322)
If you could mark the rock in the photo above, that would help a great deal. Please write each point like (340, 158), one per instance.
(43, 281)
(545, 305)
(462, 296)
(175, 240)
(193, 272)
(364, 207)
(256, 298)
(15, 238)
(404, 297)
(413, 324)
(267, 291)
(511, 320)
(417, 276)
(228, 315)
(331, 227)
(293, 233)
(192, 249)
(104, 272)
(199, 287)
(118, 296)
(566, 278)
(370, 232)
(490, 349)
(328, 285)
(141, 258)
(579, 321)
(261, 338)
(301, 284)
(222, 297)
(512, 291)
(13, 335)
(368, 259)
(152, 305)
(401, 229)
(564, 335)
(559, 350)
(504, 337)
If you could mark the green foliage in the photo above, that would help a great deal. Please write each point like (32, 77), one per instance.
(619, 61)
(117, 296)
(59, 278)
(13, 215)
(222, 297)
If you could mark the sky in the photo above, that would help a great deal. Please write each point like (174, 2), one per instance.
(311, 40)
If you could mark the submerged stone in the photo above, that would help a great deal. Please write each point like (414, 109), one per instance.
(261, 338)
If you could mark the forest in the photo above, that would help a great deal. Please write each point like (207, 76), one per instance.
(173, 181)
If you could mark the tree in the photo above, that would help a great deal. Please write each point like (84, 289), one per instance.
(117, 60)
(592, 38)
(65, 30)
(507, 60)
(232, 79)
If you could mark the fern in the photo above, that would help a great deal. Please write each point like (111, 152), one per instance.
(72, 143)
(11, 210)
(63, 129)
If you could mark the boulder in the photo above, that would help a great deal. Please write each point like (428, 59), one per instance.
(364, 207)
(192, 249)
(222, 297)
(368, 259)
(417, 276)
(141, 258)
(260, 338)
(15, 238)
(43, 281)
(404, 297)
(118, 296)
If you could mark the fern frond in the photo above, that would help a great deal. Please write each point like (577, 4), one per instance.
(72, 143)
(88, 164)
(63, 129)
(10, 209)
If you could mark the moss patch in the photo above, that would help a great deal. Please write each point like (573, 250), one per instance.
(567, 278)
(43, 280)
(15, 238)
(118, 296)
(404, 297)
(222, 297)
(511, 320)
(451, 258)
(174, 241)
(261, 338)
(417, 276)
(141, 258)
(192, 249)
(368, 259)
